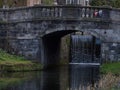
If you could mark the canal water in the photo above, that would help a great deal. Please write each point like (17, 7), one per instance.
(72, 77)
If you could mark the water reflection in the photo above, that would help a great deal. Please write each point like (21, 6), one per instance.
(75, 77)
(45, 80)
(83, 77)
(50, 80)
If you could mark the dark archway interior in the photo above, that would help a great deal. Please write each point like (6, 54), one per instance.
(51, 43)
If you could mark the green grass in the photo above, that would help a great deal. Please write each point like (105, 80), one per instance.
(111, 68)
(16, 63)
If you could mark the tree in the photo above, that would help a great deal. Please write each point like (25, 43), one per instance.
(1, 3)
(12, 3)
(47, 2)
(113, 3)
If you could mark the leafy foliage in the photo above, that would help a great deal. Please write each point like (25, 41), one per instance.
(11, 3)
(1, 3)
(48, 2)
(113, 3)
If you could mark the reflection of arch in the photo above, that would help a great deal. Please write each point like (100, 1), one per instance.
(83, 77)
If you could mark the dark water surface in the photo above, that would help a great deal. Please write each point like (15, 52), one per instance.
(75, 77)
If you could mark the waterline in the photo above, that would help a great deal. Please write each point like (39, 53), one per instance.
(96, 64)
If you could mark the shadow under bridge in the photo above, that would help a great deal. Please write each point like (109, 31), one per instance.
(51, 46)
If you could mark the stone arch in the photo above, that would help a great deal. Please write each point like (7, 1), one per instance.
(51, 40)
(94, 32)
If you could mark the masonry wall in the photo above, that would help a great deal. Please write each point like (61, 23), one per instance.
(22, 29)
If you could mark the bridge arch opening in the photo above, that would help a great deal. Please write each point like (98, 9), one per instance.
(51, 53)
(52, 46)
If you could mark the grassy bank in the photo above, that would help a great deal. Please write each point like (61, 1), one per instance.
(111, 68)
(15, 63)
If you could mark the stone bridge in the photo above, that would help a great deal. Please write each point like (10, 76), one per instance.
(35, 32)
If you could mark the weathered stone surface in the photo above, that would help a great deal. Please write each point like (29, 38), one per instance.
(111, 51)
(28, 28)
